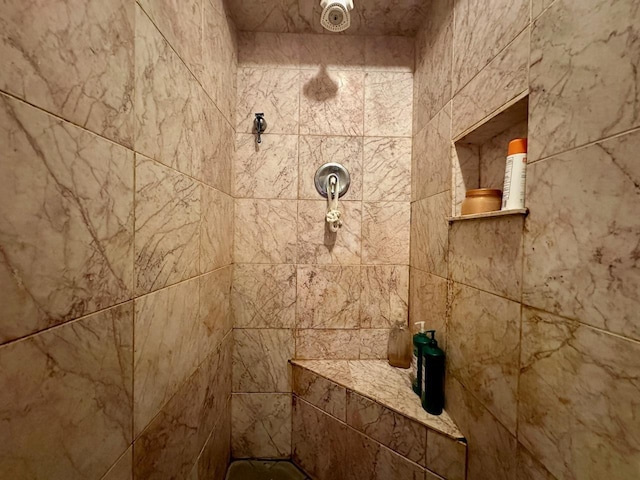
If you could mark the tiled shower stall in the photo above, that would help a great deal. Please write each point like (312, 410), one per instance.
(159, 268)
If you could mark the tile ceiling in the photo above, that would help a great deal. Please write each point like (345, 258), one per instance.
(369, 17)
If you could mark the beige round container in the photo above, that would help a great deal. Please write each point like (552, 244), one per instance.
(481, 200)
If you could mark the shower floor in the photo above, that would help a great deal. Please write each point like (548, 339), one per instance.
(264, 470)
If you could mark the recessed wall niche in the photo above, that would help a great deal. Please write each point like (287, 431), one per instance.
(479, 154)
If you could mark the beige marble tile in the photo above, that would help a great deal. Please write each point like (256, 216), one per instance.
(446, 456)
(219, 53)
(66, 398)
(75, 191)
(387, 169)
(331, 102)
(487, 254)
(214, 310)
(267, 49)
(378, 17)
(581, 253)
(264, 296)
(272, 91)
(502, 80)
(169, 446)
(388, 99)
(215, 456)
(579, 398)
(399, 433)
(265, 231)
(388, 54)
(432, 78)
(430, 234)
(335, 52)
(384, 300)
(166, 352)
(181, 24)
(167, 237)
(216, 227)
(374, 343)
(315, 151)
(428, 303)
(261, 425)
(327, 344)
(260, 360)
(284, 16)
(529, 468)
(167, 108)
(491, 451)
(268, 169)
(217, 372)
(538, 6)
(320, 392)
(123, 468)
(218, 149)
(328, 296)
(583, 81)
(385, 233)
(351, 455)
(431, 157)
(318, 244)
(74, 59)
(465, 173)
(482, 31)
(482, 349)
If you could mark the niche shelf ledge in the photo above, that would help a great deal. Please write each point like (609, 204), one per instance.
(498, 213)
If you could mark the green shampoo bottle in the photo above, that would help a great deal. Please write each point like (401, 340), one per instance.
(419, 341)
(432, 376)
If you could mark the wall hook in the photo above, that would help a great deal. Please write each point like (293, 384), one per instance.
(260, 125)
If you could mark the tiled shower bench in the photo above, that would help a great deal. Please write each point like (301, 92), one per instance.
(360, 420)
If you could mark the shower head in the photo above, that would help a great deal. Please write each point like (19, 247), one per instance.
(335, 14)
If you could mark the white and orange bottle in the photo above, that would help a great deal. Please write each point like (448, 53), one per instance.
(515, 175)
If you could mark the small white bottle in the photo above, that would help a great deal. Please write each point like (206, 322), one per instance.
(515, 174)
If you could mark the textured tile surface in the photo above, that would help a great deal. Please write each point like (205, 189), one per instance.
(71, 385)
(331, 344)
(260, 359)
(331, 102)
(264, 296)
(583, 81)
(76, 191)
(579, 389)
(428, 303)
(400, 434)
(261, 425)
(445, 456)
(320, 392)
(482, 349)
(167, 240)
(268, 169)
(385, 233)
(429, 234)
(487, 254)
(388, 97)
(387, 169)
(272, 91)
(328, 297)
(586, 268)
(166, 351)
(216, 244)
(74, 59)
(265, 231)
(385, 296)
(214, 312)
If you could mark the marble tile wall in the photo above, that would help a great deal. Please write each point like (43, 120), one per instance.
(537, 314)
(116, 231)
(299, 290)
